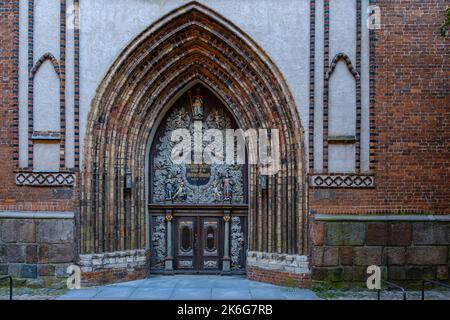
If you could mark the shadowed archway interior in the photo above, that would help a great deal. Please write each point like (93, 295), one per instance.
(190, 44)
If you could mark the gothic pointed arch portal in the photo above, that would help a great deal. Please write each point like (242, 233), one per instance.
(190, 44)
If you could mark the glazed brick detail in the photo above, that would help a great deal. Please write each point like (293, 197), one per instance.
(279, 278)
(410, 119)
(410, 250)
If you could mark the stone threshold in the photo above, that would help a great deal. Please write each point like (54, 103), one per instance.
(36, 215)
(348, 217)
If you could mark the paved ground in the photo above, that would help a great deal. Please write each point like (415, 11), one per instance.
(206, 287)
(187, 287)
(386, 295)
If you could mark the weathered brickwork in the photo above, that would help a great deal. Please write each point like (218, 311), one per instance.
(342, 251)
(279, 278)
(32, 248)
(411, 120)
(114, 266)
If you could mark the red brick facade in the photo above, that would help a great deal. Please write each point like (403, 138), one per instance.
(412, 153)
(410, 137)
(411, 117)
(14, 197)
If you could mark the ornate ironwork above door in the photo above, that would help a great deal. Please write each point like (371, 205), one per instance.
(191, 182)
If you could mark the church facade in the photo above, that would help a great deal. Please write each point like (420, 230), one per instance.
(117, 117)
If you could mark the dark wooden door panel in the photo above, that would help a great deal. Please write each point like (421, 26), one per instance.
(198, 243)
(211, 235)
(185, 243)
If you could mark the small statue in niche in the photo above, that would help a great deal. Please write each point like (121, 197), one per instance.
(197, 106)
(227, 187)
(181, 193)
(169, 188)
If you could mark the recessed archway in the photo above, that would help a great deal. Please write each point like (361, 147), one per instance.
(190, 44)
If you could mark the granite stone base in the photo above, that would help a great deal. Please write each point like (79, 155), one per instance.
(405, 248)
(32, 247)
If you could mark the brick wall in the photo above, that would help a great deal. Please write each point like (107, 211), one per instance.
(14, 197)
(342, 251)
(287, 279)
(412, 121)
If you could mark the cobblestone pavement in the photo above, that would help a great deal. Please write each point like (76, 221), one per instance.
(187, 287)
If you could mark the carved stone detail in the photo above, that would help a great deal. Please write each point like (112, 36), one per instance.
(173, 177)
(237, 242)
(159, 240)
(210, 264)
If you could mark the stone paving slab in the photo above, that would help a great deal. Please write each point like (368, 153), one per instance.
(190, 287)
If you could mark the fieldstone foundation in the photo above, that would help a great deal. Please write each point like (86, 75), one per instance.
(279, 269)
(34, 245)
(407, 248)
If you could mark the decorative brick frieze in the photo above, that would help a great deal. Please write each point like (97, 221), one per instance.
(45, 179)
(130, 259)
(342, 181)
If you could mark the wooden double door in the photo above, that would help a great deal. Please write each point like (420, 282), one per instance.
(198, 243)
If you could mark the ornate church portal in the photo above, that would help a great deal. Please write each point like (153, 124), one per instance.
(198, 209)
(192, 69)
